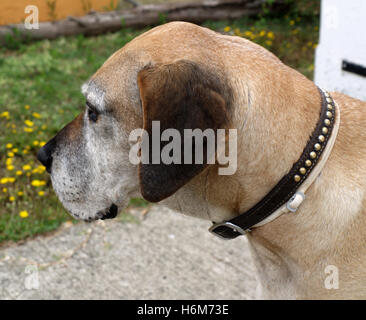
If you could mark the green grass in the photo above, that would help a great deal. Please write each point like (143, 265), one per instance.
(41, 82)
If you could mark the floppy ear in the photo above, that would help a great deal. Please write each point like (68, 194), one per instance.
(181, 95)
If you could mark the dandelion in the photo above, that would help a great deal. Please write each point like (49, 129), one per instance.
(5, 190)
(26, 167)
(227, 28)
(292, 22)
(35, 143)
(5, 115)
(10, 154)
(25, 151)
(20, 193)
(248, 33)
(36, 115)
(11, 199)
(15, 150)
(23, 214)
(268, 43)
(27, 107)
(38, 183)
(8, 161)
(19, 172)
(29, 123)
(10, 168)
(41, 193)
(4, 180)
(28, 129)
(262, 33)
(270, 35)
(42, 143)
(11, 179)
(44, 127)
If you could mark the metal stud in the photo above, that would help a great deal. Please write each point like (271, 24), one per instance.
(308, 163)
(321, 138)
(325, 130)
(329, 99)
(317, 146)
(297, 178)
(330, 107)
(329, 114)
(327, 122)
(312, 155)
(302, 170)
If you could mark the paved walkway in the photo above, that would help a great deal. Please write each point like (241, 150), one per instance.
(163, 256)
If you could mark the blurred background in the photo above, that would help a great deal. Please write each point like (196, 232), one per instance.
(41, 74)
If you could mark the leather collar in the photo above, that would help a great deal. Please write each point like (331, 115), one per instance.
(289, 192)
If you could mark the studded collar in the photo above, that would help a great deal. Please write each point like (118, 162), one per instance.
(289, 192)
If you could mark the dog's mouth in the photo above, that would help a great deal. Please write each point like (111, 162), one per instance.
(110, 213)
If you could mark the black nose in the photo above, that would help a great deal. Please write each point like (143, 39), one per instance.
(44, 154)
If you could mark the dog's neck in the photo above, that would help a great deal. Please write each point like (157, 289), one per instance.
(266, 152)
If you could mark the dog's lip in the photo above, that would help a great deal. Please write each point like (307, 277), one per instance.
(111, 212)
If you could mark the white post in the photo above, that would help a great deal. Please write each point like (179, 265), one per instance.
(342, 46)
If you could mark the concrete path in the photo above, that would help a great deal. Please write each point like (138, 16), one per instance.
(163, 256)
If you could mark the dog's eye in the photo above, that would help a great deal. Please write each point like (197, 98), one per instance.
(92, 113)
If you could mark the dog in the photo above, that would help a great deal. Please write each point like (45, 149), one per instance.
(187, 76)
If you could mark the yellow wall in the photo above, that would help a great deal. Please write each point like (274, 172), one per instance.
(12, 11)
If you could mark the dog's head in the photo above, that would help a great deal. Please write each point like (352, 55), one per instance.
(163, 75)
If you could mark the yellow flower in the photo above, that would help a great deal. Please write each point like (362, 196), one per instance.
(8, 161)
(248, 33)
(26, 167)
(262, 33)
(28, 129)
(20, 193)
(4, 114)
(23, 214)
(10, 154)
(28, 174)
(5, 189)
(42, 143)
(29, 123)
(4, 180)
(25, 151)
(227, 28)
(38, 183)
(36, 115)
(270, 35)
(269, 43)
(15, 150)
(19, 172)
(27, 107)
(41, 193)
(35, 143)
(10, 168)
(292, 22)
(44, 127)
(11, 199)
(315, 45)
(11, 179)
(9, 146)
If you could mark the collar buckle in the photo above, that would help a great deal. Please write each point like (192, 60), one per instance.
(227, 230)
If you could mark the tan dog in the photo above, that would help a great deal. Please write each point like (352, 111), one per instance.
(233, 83)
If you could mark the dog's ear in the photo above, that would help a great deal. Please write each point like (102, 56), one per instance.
(181, 95)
